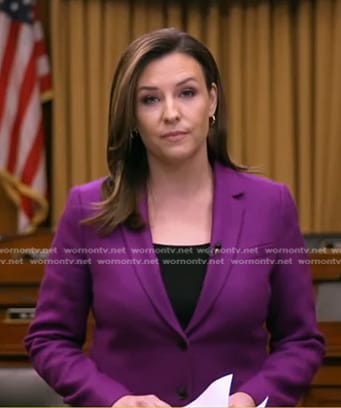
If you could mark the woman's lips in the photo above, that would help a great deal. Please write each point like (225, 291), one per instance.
(174, 135)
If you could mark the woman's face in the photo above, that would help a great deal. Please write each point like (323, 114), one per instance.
(173, 106)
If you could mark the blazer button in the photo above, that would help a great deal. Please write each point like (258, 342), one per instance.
(182, 392)
(182, 345)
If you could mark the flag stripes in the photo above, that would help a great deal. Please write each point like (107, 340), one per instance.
(24, 79)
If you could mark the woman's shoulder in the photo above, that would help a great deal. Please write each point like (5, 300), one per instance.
(257, 191)
(90, 191)
(247, 182)
(255, 182)
(83, 198)
(263, 198)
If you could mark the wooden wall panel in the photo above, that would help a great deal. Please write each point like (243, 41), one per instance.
(8, 215)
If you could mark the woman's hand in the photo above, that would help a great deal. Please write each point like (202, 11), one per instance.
(140, 401)
(241, 399)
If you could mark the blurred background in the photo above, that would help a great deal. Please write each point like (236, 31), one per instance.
(281, 65)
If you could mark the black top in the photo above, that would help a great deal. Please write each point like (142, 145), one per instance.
(183, 270)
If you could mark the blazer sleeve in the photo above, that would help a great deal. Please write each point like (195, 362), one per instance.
(296, 348)
(58, 331)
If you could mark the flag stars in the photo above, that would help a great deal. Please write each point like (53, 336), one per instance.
(14, 6)
(19, 10)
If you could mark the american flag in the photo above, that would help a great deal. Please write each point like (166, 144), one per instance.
(25, 80)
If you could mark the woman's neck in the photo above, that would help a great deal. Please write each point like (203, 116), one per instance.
(180, 203)
(180, 179)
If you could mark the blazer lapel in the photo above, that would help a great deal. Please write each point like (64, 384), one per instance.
(140, 248)
(228, 213)
(227, 221)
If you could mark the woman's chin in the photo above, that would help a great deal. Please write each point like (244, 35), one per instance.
(181, 153)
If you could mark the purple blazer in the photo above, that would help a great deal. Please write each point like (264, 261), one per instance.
(256, 292)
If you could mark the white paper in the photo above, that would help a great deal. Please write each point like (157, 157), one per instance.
(217, 394)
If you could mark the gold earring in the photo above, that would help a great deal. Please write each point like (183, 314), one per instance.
(212, 120)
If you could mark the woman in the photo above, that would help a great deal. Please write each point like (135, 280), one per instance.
(188, 263)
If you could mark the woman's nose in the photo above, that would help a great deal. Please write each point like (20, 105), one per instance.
(171, 111)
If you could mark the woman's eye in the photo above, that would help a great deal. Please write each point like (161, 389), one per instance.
(188, 93)
(149, 100)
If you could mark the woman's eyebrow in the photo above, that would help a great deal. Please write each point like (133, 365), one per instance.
(155, 88)
(186, 80)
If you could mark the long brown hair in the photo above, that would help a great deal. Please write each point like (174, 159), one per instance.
(126, 154)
